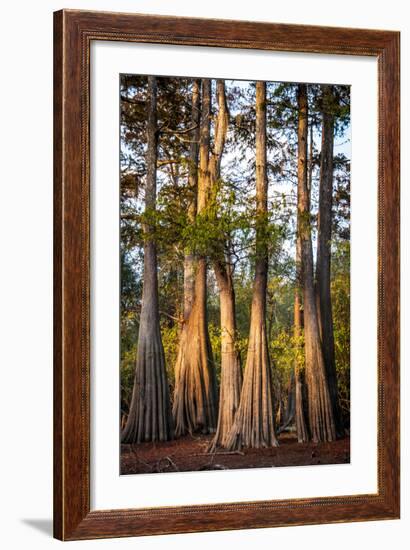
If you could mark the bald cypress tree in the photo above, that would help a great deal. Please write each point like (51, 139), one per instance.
(231, 375)
(321, 419)
(254, 420)
(323, 294)
(195, 395)
(189, 260)
(300, 420)
(149, 417)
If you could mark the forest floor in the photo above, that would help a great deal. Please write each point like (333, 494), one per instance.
(189, 454)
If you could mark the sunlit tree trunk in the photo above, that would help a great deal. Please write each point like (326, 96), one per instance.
(189, 260)
(231, 376)
(323, 296)
(150, 417)
(195, 397)
(254, 420)
(321, 421)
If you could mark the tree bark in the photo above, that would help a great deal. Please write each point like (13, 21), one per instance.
(254, 424)
(231, 375)
(300, 419)
(287, 407)
(310, 163)
(321, 420)
(189, 260)
(150, 418)
(323, 295)
(195, 397)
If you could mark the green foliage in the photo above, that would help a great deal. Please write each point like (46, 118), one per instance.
(226, 229)
(170, 338)
(340, 292)
(127, 372)
(215, 339)
(282, 352)
(283, 348)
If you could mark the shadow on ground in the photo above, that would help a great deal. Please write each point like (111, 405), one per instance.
(43, 525)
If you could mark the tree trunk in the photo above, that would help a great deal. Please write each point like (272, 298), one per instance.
(231, 376)
(323, 296)
(150, 418)
(310, 163)
(254, 424)
(300, 417)
(195, 397)
(287, 408)
(300, 420)
(321, 421)
(189, 260)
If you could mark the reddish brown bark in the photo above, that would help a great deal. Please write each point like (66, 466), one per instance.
(189, 260)
(231, 375)
(195, 396)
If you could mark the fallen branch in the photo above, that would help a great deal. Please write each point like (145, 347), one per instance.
(220, 453)
(170, 461)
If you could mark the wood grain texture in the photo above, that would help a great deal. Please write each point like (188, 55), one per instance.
(57, 290)
(73, 32)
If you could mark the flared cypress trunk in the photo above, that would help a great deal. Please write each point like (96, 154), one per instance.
(321, 421)
(150, 417)
(195, 397)
(323, 295)
(254, 424)
(195, 400)
(231, 375)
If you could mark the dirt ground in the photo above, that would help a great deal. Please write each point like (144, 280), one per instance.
(188, 454)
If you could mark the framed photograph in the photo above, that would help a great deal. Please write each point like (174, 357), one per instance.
(226, 275)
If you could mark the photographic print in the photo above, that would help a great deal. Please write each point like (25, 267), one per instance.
(235, 274)
(218, 296)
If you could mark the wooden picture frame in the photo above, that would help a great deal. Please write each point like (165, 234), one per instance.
(73, 33)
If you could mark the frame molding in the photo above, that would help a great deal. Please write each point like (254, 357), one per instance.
(73, 33)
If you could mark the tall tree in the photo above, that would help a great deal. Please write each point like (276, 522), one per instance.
(254, 420)
(149, 417)
(300, 417)
(300, 421)
(189, 260)
(195, 397)
(231, 376)
(321, 420)
(324, 237)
